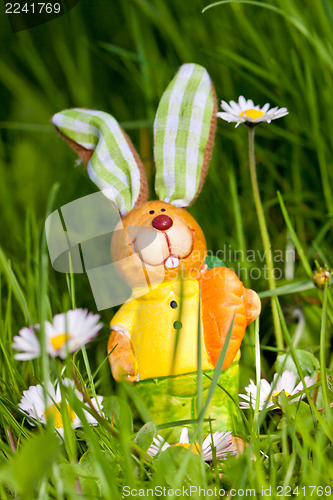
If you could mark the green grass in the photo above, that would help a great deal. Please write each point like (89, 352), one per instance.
(119, 56)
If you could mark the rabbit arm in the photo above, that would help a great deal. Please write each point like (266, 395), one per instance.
(253, 305)
(122, 358)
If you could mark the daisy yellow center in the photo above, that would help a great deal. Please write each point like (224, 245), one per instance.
(252, 113)
(53, 412)
(194, 447)
(276, 393)
(59, 340)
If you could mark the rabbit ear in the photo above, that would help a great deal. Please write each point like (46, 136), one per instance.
(111, 160)
(184, 131)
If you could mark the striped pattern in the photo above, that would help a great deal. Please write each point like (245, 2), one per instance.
(182, 130)
(112, 166)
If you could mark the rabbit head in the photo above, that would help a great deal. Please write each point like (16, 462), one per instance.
(158, 236)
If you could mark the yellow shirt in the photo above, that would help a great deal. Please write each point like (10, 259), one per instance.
(150, 321)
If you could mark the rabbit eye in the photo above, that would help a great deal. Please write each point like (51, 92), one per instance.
(162, 209)
(151, 211)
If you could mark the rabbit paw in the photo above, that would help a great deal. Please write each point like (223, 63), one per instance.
(122, 360)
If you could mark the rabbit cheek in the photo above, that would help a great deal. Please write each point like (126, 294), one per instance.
(151, 246)
(180, 239)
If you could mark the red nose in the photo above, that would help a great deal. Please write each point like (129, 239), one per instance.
(162, 222)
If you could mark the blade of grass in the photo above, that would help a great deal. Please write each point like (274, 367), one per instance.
(297, 287)
(326, 429)
(294, 237)
(217, 370)
(200, 388)
(11, 278)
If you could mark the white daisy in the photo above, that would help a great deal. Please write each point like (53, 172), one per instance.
(286, 382)
(27, 342)
(34, 405)
(67, 333)
(157, 445)
(70, 331)
(246, 112)
(221, 441)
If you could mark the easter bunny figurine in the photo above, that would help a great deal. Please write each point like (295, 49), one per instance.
(161, 250)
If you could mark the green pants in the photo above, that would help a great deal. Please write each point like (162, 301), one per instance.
(171, 399)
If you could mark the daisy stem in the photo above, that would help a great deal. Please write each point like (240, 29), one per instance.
(264, 237)
(258, 369)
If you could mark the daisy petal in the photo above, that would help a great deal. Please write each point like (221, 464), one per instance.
(226, 116)
(242, 103)
(184, 436)
(27, 342)
(226, 107)
(157, 446)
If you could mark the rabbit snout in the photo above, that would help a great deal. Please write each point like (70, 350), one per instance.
(166, 241)
(162, 222)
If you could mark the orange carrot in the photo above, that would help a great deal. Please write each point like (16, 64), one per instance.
(222, 296)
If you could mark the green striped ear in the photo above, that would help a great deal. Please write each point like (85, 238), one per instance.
(184, 135)
(111, 160)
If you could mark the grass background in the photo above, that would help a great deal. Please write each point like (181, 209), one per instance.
(119, 56)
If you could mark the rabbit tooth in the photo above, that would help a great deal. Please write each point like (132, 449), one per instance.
(171, 262)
